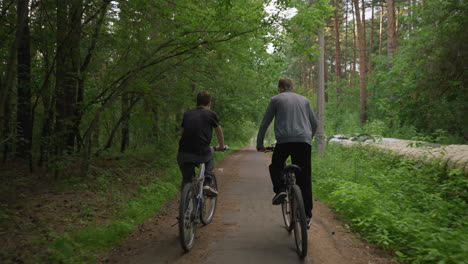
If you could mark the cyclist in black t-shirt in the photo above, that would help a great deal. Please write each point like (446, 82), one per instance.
(194, 145)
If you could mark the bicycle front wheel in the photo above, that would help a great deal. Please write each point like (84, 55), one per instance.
(187, 223)
(299, 221)
(209, 205)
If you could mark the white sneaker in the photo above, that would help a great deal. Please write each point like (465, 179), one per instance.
(210, 191)
(309, 222)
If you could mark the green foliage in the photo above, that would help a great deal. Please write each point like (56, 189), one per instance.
(304, 27)
(424, 83)
(414, 209)
(375, 127)
(156, 54)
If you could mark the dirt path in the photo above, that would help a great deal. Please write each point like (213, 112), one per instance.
(246, 228)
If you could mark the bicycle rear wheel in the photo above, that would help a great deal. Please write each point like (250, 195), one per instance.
(187, 224)
(286, 210)
(299, 221)
(209, 205)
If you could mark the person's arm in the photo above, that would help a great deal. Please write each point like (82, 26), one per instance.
(267, 118)
(220, 136)
(313, 121)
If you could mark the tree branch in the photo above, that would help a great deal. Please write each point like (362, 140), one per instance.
(114, 129)
(99, 11)
(95, 36)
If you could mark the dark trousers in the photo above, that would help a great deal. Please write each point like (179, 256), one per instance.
(187, 162)
(301, 156)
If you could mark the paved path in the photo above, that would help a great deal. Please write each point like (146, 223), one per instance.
(259, 235)
(246, 228)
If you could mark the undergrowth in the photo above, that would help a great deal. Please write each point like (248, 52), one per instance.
(412, 208)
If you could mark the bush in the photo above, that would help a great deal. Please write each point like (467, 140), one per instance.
(417, 210)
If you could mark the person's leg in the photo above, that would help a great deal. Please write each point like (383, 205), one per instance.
(280, 155)
(209, 169)
(301, 156)
(208, 160)
(186, 168)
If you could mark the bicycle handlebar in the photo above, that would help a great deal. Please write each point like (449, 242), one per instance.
(269, 149)
(226, 148)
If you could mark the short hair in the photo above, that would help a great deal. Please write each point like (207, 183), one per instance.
(285, 83)
(203, 98)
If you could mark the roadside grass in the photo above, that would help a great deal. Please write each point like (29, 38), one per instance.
(84, 244)
(414, 209)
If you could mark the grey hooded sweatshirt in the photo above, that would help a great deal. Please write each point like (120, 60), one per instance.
(295, 120)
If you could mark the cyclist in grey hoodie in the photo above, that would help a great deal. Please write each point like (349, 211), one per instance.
(295, 125)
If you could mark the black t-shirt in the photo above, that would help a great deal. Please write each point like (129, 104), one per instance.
(198, 127)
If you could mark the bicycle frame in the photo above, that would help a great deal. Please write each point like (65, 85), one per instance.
(193, 206)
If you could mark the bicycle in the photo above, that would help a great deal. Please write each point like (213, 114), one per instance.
(292, 207)
(195, 206)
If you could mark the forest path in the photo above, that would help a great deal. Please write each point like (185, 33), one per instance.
(246, 227)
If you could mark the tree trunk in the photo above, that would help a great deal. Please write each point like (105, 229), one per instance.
(69, 14)
(61, 106)
(320, 136)
(337, 47)
(7, 82)
(354, 45)
(310, 78)
(78, 114)
(47, 96)
(24, 121)
(6, 140)
(6, 88)
(371, 48)
(46, 142)
(345, 53)
(325, 69)
(362, 63)
(391, 28)
(381, 29)
(125, 123)
(364, 26)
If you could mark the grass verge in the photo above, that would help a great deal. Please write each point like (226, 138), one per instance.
(82, 245)
(414, 209)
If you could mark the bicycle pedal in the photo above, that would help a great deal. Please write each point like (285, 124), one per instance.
(176, 222)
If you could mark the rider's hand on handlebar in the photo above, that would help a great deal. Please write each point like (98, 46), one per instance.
(262, 149)
(221, 148)
(266, 149)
